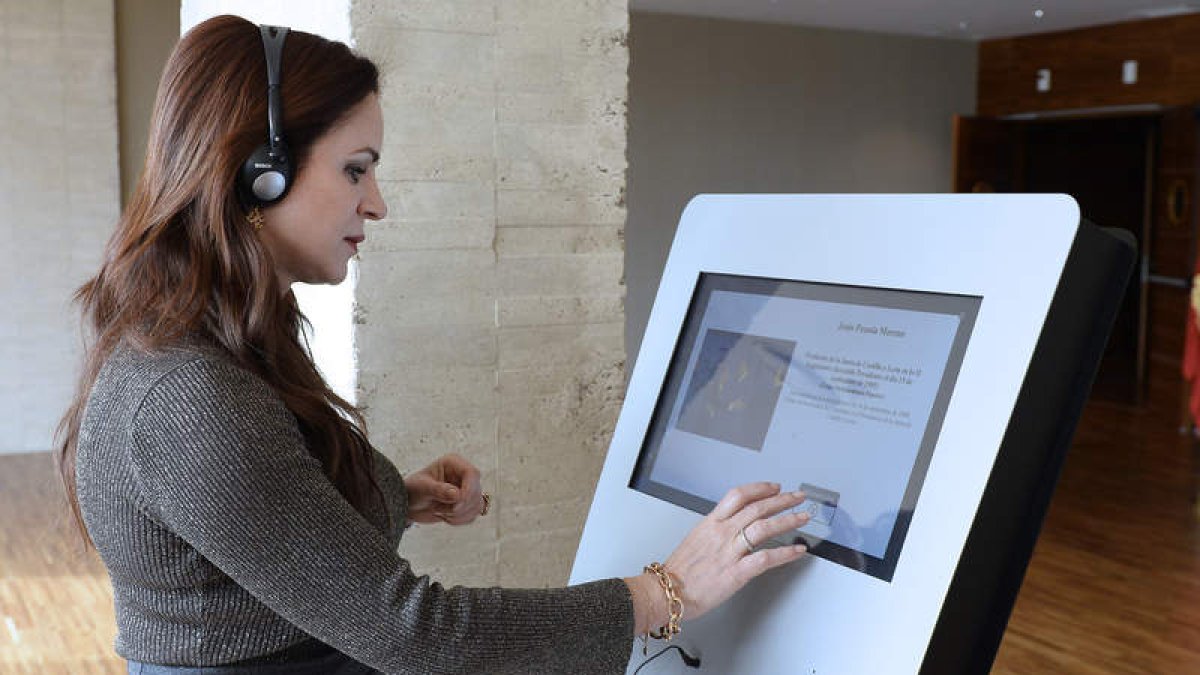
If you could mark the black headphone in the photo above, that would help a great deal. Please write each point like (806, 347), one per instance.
(266, 176)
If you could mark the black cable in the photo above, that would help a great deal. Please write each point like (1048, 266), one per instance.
(688, 659)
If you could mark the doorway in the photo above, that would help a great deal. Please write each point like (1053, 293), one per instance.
(1107, 163)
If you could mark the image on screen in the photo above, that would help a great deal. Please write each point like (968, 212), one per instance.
(836, 390)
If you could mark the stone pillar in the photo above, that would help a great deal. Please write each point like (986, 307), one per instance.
(489, 317)
(59, 199)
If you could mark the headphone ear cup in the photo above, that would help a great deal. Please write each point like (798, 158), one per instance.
(266, 176)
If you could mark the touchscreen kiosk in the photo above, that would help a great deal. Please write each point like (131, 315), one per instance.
(915, 364)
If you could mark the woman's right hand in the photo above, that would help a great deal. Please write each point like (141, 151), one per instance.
(713, 562)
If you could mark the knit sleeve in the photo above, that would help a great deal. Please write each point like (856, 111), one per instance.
(224, 466)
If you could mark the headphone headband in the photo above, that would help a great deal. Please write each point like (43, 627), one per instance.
(273, 37)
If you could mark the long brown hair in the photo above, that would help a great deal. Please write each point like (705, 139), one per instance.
(184, 260)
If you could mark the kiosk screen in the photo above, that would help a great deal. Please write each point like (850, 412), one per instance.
(836, 390)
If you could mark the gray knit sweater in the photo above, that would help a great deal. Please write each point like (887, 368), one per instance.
(225, 542)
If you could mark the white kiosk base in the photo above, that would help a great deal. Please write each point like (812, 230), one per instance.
(916, 363)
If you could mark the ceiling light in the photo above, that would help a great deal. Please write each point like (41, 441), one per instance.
(1037, 13)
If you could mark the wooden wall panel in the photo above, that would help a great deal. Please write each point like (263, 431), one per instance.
(1172, 243)
(1085, 67)
(985, 152)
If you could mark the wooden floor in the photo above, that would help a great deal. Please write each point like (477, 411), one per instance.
(56, 612)
(1114, 586)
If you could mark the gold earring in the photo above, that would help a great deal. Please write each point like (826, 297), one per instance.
(255, 218)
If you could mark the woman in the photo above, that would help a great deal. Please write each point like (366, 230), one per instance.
(245, 521)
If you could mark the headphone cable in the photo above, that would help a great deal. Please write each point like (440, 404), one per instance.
(689, 660)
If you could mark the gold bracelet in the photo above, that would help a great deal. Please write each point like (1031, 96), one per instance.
(674, 605)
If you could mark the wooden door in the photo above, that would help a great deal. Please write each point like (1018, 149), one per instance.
(1107, 162)
(1173, 255)
(986, 154)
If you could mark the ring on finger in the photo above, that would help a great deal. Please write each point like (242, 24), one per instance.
(746, 540)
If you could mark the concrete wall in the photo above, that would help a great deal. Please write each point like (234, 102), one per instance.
(489, 302)
(59, 195)
(723, 106)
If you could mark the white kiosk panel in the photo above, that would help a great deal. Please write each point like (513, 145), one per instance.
(868, 348)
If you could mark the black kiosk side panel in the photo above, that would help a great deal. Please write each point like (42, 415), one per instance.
(1031, 456)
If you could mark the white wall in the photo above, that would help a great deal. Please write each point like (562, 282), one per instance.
(328, 18)
(59, 196)
(724, 106)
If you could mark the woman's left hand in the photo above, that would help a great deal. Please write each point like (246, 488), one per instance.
(448, 490)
